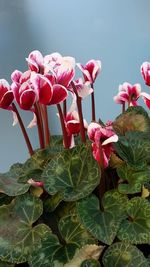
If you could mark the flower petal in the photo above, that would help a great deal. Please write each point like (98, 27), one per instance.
(60, 93)
(112, 139)
(15, 76)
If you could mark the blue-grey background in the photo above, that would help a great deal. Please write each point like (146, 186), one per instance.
(115, 31)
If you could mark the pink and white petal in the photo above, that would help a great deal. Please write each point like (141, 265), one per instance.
(85, 124)
(136, 89)
(35, 183)
(33, 66)
(25, 76)
(105, 160)
(15, 76)
(84, 91)
(15, 88)
(112, 139)
(68, 63)
(33, 122)
(45, 90)
(73, 126)
(146, 98)
(27, 99)
(73, 106)
(93, 126)
(6, 100)
(133, 103)
(64, 76)
(37, 57)
(97, 69)
(15, 118)
(60, 93)
(4, 87)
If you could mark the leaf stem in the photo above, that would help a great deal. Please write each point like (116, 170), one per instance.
(26, 137)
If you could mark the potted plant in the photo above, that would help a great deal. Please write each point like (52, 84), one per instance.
(81, 199)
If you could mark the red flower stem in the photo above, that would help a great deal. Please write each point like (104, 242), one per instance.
(123, 107)
(102, 180)
(39, 125)
(26, 137)
(64, 131)
(93, 104)
(79, 106)
(65, 108)
(46, 124)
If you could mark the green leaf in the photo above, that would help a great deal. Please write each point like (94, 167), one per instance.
(134, 148)
(9, 184)
(134, 119)
(103, 225)
(17, 236)
(50, 251)
(6, 264)
(4, 199)
(136, 228)
(90, 263)
(74, 173)
(74, 232)
(132, 180)
(52, 203)
(123, 254)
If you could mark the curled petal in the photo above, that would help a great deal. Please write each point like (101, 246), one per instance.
(25, 76)
(64, 76)
(15, 88)
(112, 139)
(35, 61)
(43, 88)
(145, 71)
(27, 99)
(15, 76)
(15, 118)
(60, 93)
(6, 100)
(93, 126)
(146, 98)
(73, 126)
(33, 122)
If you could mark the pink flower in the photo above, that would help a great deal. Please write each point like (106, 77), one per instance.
(128, 93)
(6, 94)
(49, 91)
(36, 61)
(102, 138)
(90, 70)
(145, 71)
(83, 88)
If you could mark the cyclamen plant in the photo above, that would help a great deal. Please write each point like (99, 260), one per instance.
(81, 199)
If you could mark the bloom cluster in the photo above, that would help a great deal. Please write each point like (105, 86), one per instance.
(50, 80)
(130, 94)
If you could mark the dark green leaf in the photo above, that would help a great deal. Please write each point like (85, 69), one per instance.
(52, 203)
(136, 228)
(17, 236)
(50, 251)
(103, 225)
(6, 264)
(134, 148)
(132, 180)
(9, 184)
(123, 255)
(73, 173)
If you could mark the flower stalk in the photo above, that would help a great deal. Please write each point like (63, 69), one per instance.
(64, 131)
(39, 125)
(93, 104)
(79, 106)
(26, 137)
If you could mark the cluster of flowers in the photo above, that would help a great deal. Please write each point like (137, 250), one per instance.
(130, 94)
(48, 81)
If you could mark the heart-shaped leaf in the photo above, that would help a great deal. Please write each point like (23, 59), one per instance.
(17, 236)
(136, 228)
(123, 254)
(103, 225)
(50, 251)
(132, 180)
(9, 184)
(133, 119)
(74, 173)
(134, 148)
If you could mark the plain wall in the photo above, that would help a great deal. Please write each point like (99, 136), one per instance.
(114, 31)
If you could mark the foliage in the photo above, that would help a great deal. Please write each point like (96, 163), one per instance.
(82, 199)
